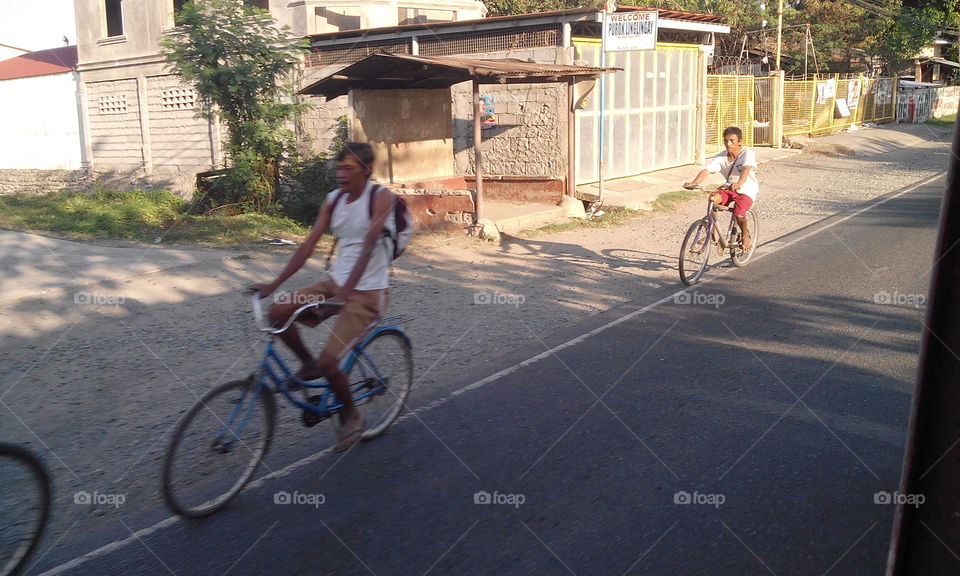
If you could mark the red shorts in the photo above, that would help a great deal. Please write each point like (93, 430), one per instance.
(741, 202)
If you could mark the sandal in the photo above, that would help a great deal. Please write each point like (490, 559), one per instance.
(348, 439)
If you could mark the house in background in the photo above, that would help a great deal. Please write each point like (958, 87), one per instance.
(140, 125)
(42, 121)
(139, 128)
(646, 117)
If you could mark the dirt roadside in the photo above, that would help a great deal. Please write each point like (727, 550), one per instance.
(94, 383)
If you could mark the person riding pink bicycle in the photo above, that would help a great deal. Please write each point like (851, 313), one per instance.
(738, 165)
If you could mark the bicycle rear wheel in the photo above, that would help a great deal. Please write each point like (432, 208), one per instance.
(380, 379)
(694, 252)
(25, 495)
(217, 447)
(739, 257)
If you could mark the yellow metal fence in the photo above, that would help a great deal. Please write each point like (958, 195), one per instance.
(730, 102)
(832, 103)
(809, 106)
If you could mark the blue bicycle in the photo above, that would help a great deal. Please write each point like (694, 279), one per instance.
(219, 443)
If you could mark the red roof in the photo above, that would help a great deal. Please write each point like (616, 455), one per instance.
(40, 63)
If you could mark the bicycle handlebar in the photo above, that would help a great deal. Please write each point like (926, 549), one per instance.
(262, 325)
(702, 189)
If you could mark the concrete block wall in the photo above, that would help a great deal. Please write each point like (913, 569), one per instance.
(529, 138)
(144, 132)
(318, 125)
(113, 111)
(179, 139)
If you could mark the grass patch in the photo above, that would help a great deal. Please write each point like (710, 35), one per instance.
(232, 230)
(669, 201)
(137, 215)
(613, 216)
(944, 122)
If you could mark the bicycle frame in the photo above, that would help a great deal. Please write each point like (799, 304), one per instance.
(273, 374)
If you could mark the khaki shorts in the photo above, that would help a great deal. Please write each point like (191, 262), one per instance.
(358, 314)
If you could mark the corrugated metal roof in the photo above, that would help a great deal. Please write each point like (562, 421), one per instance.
(40, 63)
(396, 71)
(676, 14)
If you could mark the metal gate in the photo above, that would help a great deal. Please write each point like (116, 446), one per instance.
(729, 103)
(649, 114)
(763, 89)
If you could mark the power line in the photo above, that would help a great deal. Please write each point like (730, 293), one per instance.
(887, 13)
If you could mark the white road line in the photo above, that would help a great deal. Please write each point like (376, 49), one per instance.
(117, 545)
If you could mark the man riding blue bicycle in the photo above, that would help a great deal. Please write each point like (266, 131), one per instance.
(358, 284)
(739, 168)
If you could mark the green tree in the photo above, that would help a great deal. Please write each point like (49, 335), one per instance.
(242, 65)
(510, 7)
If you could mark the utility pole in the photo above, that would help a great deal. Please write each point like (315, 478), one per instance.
(779, 31)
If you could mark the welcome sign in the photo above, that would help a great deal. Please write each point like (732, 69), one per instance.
(629, 31)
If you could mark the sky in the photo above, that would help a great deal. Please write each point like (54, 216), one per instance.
(37, 24)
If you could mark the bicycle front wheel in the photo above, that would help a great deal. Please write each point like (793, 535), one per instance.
(25, 495)
(380, 379)
(694, 252)
(739, 257)
(217, 447)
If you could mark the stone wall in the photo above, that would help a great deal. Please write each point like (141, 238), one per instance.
(530, 136)
(43, 181)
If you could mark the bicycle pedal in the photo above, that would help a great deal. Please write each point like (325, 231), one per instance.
(309, 417)
(376, 389)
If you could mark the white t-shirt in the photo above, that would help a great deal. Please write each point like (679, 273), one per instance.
(719, 163)
(349, 223)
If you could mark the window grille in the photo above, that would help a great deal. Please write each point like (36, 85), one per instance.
(486, 41)
(434, 44)
(178, 99)
(349, 54)
(113, 104)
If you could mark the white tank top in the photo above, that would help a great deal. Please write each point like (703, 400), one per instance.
(349, 223)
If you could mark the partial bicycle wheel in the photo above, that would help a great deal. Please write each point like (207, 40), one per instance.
(694, 252)
(739, 257)
(25, 495)
(217, 447)
(381, 378)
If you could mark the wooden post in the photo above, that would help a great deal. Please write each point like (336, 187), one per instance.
(571, 142)
(779, 32)
(776, 118)
(477, 155)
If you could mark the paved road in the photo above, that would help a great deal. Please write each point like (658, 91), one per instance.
(745, 426)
